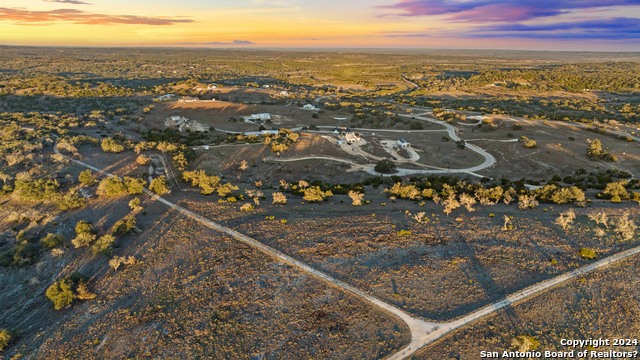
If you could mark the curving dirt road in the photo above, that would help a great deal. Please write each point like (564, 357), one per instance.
(423, 333)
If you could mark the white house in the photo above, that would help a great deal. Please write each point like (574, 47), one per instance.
(262, 133)
(309, 107)
(253, 117)
(402, 143)
(167, 97)
(175, 120)
(351, 138)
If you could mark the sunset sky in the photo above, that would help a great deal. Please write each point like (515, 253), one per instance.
(465, 24)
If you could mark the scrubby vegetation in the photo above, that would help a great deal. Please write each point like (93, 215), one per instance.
(115, 186)
(208, 183)
(5, 338)
(159, 186)
(62, 293)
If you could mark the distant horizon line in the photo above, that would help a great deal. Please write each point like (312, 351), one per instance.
(303, 48)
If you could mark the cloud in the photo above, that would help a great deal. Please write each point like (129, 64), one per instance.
(619, 28)
(73, 2)
(498, 10)
(219, 43)
(28, 17)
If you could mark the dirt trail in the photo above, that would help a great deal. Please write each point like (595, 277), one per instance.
(423, 333)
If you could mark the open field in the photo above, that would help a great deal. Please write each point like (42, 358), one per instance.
(217, 114)
(443, 269)
(598, 305)
(185, 295)
(224, 269)
(556, 144)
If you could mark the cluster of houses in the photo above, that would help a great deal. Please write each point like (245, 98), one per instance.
(257, 117)
(345, 134)
(262, 133)
(183, 124)
(172, 97)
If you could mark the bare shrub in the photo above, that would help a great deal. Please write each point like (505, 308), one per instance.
(244, 165)
(118, 261)
(566, 219)
(508, 224)
(247, 207)
(421, 217)
(356, 198)
(527, 202)
(600, 218)
(450, 204)
(256, 195)
(468, 201)
(279, 198)
(625, 227)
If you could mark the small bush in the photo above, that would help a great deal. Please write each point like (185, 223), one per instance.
(134, 204)
(279, 198)
(87, 177)
(5, 339)
(402, 233)
(528, 143)
(109, 145)
(125, 225)
(115, 186)
(103, 245)
(83, 240)
(52, 241)
(84, 227)
(159, 185)
(315, 194)
(588, 253)
(524, 343)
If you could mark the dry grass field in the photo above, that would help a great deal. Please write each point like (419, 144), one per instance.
(599, 305)
(444, 268)
(193, 293)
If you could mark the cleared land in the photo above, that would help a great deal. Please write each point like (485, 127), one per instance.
(598, 305)
(443, 269)
(185, 296)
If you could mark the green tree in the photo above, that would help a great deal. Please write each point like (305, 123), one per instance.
(109, 145)
(52, 241)
(87, 177)
(385, 167)
(103, 245)
(125, 225)
(315, 194)
(61, 294)
(159, 186)
(588, 253)
(5, 339)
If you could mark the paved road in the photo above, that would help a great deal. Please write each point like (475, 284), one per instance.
(385, 130)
